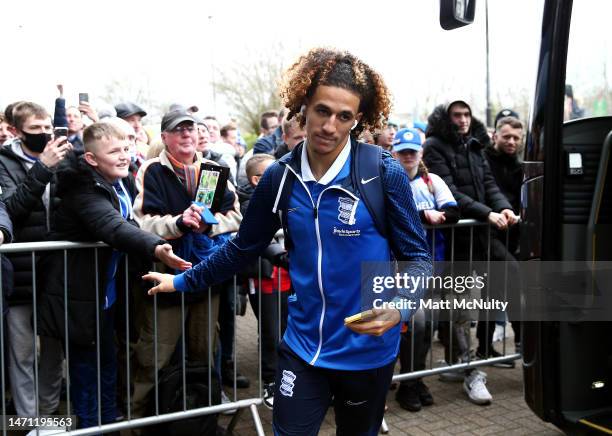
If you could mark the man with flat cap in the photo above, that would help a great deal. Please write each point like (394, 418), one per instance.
(180, 107)
(132, 113)
(166, 187)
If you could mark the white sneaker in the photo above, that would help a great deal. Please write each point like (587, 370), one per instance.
(498, 335)
(268, 395)
(452, 376)
(224, 400)
(474, 386)
(449, 376)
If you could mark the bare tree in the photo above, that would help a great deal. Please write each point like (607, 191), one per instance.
(124, 89)
(251, 88)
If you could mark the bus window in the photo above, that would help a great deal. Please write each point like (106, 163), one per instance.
(588, 90)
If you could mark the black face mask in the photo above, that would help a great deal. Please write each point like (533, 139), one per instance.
(36, 142)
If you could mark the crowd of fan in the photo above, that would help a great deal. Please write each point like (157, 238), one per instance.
(113, 181)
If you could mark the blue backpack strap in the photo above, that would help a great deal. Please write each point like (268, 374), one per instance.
(367, 171)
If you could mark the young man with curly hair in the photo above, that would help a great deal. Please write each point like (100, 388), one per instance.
(313, 194)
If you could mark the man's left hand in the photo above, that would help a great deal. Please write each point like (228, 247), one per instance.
(512, 219)
(383, 320)
(164, 253)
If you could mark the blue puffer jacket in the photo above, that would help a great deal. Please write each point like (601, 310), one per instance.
(269, 144)
(332, 234)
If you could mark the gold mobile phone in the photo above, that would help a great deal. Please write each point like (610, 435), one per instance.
(360, 317)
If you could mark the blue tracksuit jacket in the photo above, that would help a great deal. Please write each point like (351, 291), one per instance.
(332, 234)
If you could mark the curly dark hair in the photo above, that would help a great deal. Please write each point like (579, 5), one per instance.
(322, 66)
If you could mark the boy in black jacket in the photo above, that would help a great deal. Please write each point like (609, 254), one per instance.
(97, 195)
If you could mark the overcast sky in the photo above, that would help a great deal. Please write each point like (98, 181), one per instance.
(172, 46)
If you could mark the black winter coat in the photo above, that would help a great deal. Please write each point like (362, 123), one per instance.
(89, 212)
(461, 163)
(463, 167)
(508, 174)
(22, 192)
(6, 227)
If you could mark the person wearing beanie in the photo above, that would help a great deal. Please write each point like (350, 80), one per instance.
(505, 113)
(503, 158)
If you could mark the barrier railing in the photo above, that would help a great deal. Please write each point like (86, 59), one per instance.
(131, 422)
(470, 363)
(156, 416)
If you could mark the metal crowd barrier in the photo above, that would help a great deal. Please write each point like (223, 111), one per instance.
(132, 422)
(471, 363)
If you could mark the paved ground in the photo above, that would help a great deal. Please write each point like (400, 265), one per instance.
(452, 413)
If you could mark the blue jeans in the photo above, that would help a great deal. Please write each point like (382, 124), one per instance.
(84, 378)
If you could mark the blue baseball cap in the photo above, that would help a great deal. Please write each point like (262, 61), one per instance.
(407, 139)
(419, 125)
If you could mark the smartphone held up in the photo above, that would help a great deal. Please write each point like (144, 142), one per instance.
(60, 131)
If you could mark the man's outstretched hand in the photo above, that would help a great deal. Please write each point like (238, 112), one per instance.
(383, 320)
(164, 253)
(165, 282)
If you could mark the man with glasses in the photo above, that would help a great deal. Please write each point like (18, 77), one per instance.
(167, 185)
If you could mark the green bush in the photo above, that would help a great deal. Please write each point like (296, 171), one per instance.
(250, 139)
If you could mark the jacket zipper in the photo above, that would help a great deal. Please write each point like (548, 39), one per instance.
(113, 197)
(319, 253)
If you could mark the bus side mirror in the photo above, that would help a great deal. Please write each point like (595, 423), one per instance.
(456, 13)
